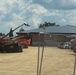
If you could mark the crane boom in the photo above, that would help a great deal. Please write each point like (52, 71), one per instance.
(13, 31)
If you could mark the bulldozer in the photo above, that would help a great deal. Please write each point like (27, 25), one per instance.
(13, 44)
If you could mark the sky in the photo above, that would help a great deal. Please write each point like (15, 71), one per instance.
(35, 12)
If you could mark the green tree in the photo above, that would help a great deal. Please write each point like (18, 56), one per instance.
(46, 24)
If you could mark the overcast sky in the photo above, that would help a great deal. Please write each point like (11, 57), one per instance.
(34, 12)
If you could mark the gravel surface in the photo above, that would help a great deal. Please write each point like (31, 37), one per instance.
(55, 62)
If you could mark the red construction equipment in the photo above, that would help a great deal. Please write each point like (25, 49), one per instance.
(12, 45)
(21, 39)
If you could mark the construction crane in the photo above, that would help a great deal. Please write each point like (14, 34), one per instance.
(10, 45)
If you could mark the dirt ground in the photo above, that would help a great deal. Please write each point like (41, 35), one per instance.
(55, 62)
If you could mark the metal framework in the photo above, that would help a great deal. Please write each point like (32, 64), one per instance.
(40, 61)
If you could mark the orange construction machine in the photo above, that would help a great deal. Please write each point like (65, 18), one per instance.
(11, 45)
(22, 40)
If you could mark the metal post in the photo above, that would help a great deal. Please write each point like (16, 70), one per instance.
(74, 65)
(41, 61)
(42, 56)
(75, 59)
(38, 54)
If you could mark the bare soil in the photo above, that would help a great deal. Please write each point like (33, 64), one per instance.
(55, 62)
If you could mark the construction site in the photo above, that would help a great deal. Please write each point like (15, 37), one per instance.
(36, 53)
(55, 62)
(37, 37)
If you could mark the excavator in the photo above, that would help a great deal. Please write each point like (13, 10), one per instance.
(14, 44)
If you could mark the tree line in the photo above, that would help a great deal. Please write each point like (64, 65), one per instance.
(46, 24)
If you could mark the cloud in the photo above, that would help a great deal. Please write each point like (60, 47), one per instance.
(48, 1)
(62, 20)
(57, 4)
(37, 9)
(11, 13)
(67, 17)
(34, 12)
(37, 13)
(71, 17)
